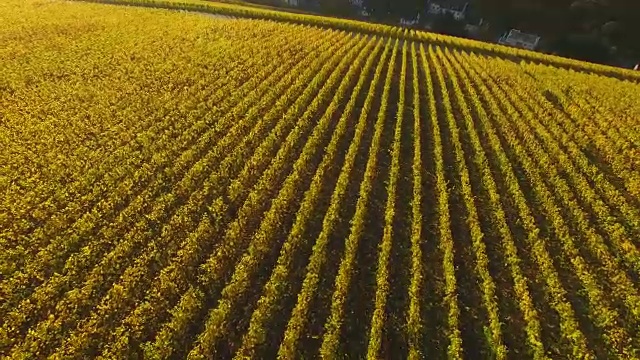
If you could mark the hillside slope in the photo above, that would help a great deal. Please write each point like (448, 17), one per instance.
(178, 186)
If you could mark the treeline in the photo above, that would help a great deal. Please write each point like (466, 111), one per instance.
(593, 30)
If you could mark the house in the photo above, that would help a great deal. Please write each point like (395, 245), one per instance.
(456, 8)
(410, 22)
(475, 25)
(520, 39)
(473, 15)
(359, 6)
(475, 29)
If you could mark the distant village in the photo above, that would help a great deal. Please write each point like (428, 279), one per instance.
(461, 11)
(463, 18)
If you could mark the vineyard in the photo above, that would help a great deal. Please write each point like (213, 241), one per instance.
(185, 186)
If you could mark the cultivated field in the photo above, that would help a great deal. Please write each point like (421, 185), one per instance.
(183, 186)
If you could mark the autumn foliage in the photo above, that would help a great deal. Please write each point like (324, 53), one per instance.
(185, 186)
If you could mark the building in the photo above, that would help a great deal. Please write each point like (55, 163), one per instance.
(410, 22)
(475, 25)
(520, 39)
(359, 6)
(456, 8)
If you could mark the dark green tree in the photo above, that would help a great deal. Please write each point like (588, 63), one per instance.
(447, 24)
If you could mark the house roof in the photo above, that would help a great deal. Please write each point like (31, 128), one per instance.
(452, 4)
(517, 35)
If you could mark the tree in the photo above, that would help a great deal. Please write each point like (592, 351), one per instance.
(447, 24)
(588, 47)
(337, 7)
